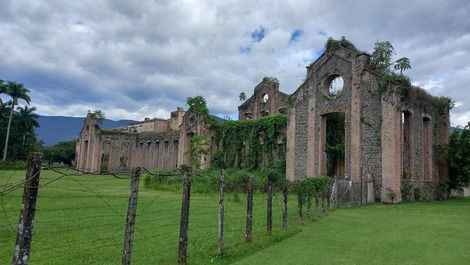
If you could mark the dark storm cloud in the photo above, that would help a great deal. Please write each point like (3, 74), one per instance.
(139, 59)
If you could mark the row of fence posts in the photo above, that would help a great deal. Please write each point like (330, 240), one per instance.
(25, 226)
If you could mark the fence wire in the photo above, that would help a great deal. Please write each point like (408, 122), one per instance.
(81, 218)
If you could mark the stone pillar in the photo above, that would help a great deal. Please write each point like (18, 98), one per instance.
(391, 155)
(311, 135)
(355, 122)
(290, 149)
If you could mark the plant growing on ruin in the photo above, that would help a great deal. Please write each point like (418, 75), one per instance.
(243, 142)
(343, 42)
(242, 96)
(381, 58)
(402, 64)
(97, 115)
(198, 147)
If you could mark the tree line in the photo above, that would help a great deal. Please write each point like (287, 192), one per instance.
(18, 123)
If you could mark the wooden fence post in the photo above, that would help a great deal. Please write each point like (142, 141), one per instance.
(220, 248)
(269, 214)
(131, 214)
(28, 210)
(184, 222)
(249, 209)
(299, 207)
(284, 209)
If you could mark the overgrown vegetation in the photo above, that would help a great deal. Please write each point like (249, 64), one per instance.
(243, 143)
(335, 133)
(458, 156)
(332, 44)
(17, 136)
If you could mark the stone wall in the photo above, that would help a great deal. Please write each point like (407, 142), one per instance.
(266, 100)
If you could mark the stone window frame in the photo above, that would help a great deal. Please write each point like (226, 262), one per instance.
(325, 84)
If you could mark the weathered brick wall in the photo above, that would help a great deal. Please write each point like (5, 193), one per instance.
(371, 134)
(301, 139)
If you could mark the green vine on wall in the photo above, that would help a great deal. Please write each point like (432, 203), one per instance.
(243, 143)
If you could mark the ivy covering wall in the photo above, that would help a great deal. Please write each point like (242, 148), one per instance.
(250, 144)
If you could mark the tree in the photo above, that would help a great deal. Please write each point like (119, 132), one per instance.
(28, 120)
(242, 96)
(459, 159)
(381, 58)
(97, 115)
(402, 64)
(16, 91)
(61, 152)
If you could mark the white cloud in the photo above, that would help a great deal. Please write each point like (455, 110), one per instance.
(140, 59)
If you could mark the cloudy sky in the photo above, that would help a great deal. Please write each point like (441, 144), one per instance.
(136, 59)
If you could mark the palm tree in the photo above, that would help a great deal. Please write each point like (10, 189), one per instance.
(16, 91)
(242, 96)
(28, 120)
(402, 64)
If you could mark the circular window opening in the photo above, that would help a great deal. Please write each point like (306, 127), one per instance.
(335, 85)
(265, 98)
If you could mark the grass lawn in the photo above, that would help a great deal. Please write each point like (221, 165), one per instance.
(80, 220)
(409, 233)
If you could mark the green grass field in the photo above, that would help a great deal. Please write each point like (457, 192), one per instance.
(80, 220)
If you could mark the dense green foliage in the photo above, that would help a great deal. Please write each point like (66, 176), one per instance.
(335, 133)
(381, 57)
(243, 143)
(343, 42)
(198, 104)
(62, 152)
(15, 165)
(198, 146)
(22, 138)
(26, 121)
(459, 159)
(207, 180)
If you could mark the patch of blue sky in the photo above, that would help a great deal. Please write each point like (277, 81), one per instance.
(258, 34)
(245, 50)
(296, 35)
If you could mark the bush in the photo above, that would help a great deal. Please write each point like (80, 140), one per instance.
(208, 180)
(13, 165)
(406, 190)
(417, 193)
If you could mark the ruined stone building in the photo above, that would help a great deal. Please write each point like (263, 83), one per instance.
(266, 100)
(389, 131)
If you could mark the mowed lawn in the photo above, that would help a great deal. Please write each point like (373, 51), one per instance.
(80, 220)
(409, 233)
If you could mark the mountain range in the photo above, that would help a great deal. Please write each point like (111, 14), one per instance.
(54, 129)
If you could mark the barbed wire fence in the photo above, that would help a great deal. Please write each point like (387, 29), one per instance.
(81, 217)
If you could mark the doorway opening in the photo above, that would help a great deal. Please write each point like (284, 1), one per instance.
(335, 144)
